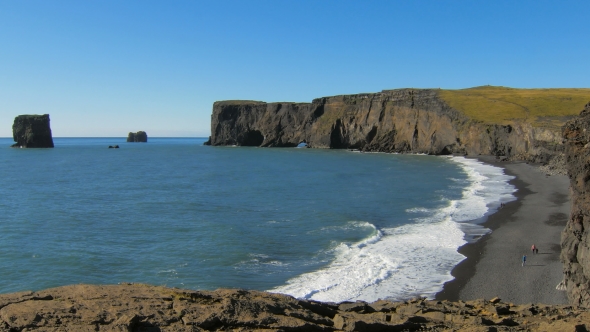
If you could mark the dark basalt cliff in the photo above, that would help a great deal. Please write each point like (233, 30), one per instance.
(575, 239)
(140, 136)
(405, 121)
(32, 131)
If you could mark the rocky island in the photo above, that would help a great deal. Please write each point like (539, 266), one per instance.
(139, 136)
(32, 131)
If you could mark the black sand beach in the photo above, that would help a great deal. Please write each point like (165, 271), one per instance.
(493, 266)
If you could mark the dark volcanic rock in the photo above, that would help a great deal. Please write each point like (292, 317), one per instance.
(575, 239)
(139, 136)
(32, 131)
(405, 120)
(133, 307)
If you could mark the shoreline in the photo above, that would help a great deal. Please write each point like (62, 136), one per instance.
(492, 267)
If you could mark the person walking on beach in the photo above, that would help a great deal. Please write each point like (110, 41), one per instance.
(523, 259)
(533, 248)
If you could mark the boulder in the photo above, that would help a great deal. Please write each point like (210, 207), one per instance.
(139, 136)
(32, 131)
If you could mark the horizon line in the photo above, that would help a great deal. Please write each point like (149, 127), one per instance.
(120, 137)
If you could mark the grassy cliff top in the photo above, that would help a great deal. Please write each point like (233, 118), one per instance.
(502, 105)
(239, 102)
(253, 102)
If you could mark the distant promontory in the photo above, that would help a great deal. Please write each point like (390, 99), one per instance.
(32, 131)
(519, 124)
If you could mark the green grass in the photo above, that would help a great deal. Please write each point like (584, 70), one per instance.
(239, 102)
(256, 102)
(502, 105)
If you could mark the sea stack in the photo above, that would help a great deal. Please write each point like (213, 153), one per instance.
(32, 131)
(139, 136)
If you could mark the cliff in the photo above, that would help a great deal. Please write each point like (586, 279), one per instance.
(575, 239)
(133, 307)
(140, 136)
(404, 120)
(32, 131)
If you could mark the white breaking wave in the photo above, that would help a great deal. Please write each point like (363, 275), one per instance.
(410, 260)
(351, 225)
(418, 210)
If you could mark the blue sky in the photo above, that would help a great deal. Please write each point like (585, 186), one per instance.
(104, 68)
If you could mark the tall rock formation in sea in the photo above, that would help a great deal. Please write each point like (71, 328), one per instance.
(404, 120)
(575, 239)
(32, 131)
(140, 136)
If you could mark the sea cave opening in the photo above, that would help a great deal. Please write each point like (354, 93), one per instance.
(253, 138)
(302, 144)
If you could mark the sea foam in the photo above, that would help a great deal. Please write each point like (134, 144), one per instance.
(414, 259)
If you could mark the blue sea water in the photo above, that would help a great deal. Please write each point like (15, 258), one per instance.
(329, 225)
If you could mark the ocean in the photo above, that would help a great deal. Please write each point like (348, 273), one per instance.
(327, 225)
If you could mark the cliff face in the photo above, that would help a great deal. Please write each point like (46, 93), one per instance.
(575, 239)
(32, 131)
(405, 120)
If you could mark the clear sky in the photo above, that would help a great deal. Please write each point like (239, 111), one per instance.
(105, 68)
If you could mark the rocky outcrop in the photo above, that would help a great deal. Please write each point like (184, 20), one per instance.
(575, 239)
(405, 120)
(132, 307)
(139, 136)
(32, 131)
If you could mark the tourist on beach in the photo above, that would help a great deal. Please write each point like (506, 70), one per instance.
(523, 259)
(533, 248)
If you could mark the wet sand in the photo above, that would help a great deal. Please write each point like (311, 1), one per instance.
(493, 266)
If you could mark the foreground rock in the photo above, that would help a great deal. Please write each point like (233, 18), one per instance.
(32, 131)
(575, 239)
(139, 136)
(133, 307)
